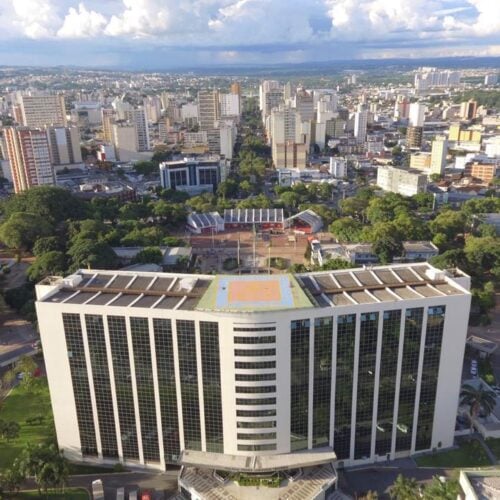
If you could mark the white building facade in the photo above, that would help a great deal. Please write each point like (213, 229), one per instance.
(146, 367)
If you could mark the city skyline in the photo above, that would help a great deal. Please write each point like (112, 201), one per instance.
(159, 34)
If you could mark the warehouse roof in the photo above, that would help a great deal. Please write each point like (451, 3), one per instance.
(253, 215)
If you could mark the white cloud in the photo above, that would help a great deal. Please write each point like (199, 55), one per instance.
(82, 23)
(34, 18)
(293, 27)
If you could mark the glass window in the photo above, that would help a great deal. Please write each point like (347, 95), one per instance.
(366, 384)
(430, 372)
(346, 331)
(269, 339)
(102, 386)
(409, 374)
(209, 334)
(186, 344)
(80, 381)
(299, 380)
(387, 382)
(123, 383)
(323, 335)
(167, 389)
(139, 328)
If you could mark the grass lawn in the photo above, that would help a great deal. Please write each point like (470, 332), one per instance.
(69, 494)
(469, 454)
(494, 446)
(18, 406)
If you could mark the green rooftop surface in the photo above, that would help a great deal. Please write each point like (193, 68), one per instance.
(254, 293)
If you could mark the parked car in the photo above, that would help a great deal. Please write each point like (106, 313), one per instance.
(146, 495)
(473, 367)
(120, 494)
(97, 490)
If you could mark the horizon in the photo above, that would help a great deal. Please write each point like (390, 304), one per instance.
(195, 33)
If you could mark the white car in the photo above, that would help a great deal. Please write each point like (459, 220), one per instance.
(473, 367)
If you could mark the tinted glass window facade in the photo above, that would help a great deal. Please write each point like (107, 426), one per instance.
(391, 328)
(430, 371)
(409, 374)
(79, 378)
(346, 330)
(167, 389)
(102, 386)
(366, 384)
(186, 345)
(299, 384)
(139, 328)
(323, 337)
(209, 336)
(123, 383)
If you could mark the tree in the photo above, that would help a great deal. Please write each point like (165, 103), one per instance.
(386, 248)
(11, 479)
(149, 255)
(93, 254)
(449, 223)
(346, 230)
(442, 489)
(134, 211)
(477, 398)
(404, 488)
(47, 264)
(146, 167)
(450, 259)
(333, 264)
(435, 177)
(482, 253)
(227, 189)
(9, 430)
(52, 203)
(21, 230)
(290, 199)
(46, 244)
(45, 463)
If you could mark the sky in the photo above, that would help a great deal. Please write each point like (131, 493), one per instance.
(162, 34)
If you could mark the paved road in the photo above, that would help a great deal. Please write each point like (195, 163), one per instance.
(163, 485)
(16, 338)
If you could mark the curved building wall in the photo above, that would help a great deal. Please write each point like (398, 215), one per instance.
(140, 385)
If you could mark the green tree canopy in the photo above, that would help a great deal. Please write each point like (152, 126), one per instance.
(22, 229)
(149, 255)
(346, 230)
(52, 203)
(48, 264)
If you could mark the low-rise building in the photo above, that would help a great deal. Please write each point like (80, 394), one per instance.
(193, 175)
(399, 180)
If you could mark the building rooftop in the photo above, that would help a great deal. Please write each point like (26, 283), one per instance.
(234, 293)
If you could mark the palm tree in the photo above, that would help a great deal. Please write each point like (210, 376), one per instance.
(477, 398)
(404, 488)
(444, 490)
(369, 495)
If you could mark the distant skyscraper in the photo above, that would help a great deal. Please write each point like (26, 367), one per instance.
(267, 86)
(438, 155)
(236, 88)
(41, 110)
(229, 105)
(468, 110)
(304, 103)
(417, 114)
(491, 79)
(108, 118)
(426, 78)
(137, 117)
(414, 137)
(29, 156)
(125, 141)
(208, 109)
(64, 145)
(360, 123)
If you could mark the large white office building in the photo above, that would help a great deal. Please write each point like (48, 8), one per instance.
(285, 371)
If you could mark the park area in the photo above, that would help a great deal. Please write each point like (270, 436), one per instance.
(468, 454)
(32, 411)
